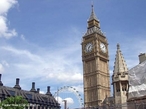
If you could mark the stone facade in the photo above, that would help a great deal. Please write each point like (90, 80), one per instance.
(120, 79)
(95, 64)
(96, 76)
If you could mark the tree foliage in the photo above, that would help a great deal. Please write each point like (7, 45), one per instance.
(17, 102)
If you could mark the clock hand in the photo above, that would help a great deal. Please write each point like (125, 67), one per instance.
(88, 47)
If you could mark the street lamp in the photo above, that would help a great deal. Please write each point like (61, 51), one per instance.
(65, 104)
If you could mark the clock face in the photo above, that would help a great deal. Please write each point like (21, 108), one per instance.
(103, 47)
(88, 47)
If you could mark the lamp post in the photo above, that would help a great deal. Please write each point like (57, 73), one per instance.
(65, 104)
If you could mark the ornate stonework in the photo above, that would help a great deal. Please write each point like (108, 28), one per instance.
(120, 79)
(95, 64)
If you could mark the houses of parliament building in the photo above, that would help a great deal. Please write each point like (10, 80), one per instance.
(96, 77)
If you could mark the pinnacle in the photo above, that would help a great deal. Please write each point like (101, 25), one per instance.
(120, 64)
(93, 16)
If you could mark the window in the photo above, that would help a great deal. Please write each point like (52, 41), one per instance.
(11, 92)
(29, 96)
(117, 87)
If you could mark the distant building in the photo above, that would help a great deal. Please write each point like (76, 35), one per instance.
(34, 98)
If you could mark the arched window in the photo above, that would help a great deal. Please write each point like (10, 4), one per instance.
(117, 87)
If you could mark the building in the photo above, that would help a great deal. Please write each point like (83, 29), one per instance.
(95, 64)
(137, 79)
(34, 98)
(120, 78)
(137, 84)
(96, 76)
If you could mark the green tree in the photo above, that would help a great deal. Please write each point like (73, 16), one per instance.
(17, 102)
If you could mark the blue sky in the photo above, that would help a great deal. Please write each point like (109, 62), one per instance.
(40, 40)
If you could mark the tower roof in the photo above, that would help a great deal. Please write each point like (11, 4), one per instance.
(120, 64)
(93, 24)
(93, 16)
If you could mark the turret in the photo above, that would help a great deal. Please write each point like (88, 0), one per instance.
(120, 78)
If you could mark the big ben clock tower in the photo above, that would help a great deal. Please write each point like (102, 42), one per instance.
(95, 64)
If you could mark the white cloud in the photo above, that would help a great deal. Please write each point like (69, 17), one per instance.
(45, 66)
(5, 63)
(3, 66)
(42, 92)
(1, 69)
(60, 100)
(22, 37)
(25, 53)
(5, 5)
(70, 101)
(66, 76)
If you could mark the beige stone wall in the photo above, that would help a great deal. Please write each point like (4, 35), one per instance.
(96, 71)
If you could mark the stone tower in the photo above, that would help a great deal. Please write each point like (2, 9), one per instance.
(95, 64)
(120, 78)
